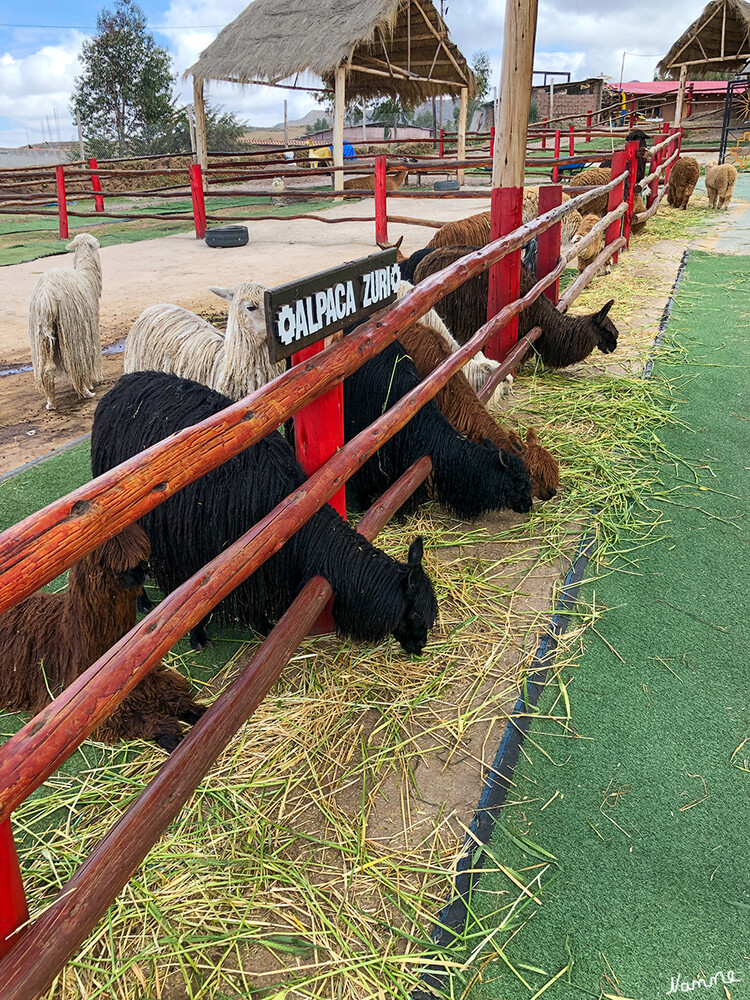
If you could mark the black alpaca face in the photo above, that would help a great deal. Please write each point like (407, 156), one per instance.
(135, 577)
(421, 607)
(608, 332)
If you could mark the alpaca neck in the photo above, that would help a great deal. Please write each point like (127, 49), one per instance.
(98, 611)
(87, 264)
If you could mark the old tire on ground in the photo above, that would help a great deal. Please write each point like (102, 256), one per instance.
(227, 236)
(446, 186)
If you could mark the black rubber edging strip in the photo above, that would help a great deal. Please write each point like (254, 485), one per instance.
(452, 918)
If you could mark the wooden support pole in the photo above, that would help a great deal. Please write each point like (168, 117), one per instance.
(680, 95)
(62, 206)
(80, 136)
(462, 112)
(339, 102)
(286, 127)
(509, 162)
(548, 242)
(13, 908)
(200, 128)
(381, 209)
(191, 127)
(615, 198)
(96, 186)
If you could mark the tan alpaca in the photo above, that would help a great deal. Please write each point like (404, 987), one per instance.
(393, 181)
(720, 180)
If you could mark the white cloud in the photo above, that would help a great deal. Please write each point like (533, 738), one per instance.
(33, 88)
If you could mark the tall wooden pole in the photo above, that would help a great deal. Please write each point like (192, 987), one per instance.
(286, 127)
(463, 108)
(509, 161)
(200, 128)
(339, 102)
(680, 96)
(80, 135)
(191, 127)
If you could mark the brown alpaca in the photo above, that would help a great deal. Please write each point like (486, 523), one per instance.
(472, 231)
(393, 181)
(682, 181)
(461, 405)
(48, 640)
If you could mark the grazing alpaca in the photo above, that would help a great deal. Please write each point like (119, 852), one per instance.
(565, 339)
(720, 182)
(682, 181)
(393, 181)
(530, 210)
(587, 254)
(459, 402)
(64, 323)
(477, 369)
(168, 338)
(50, 639)
(373, 594)
(470, 479)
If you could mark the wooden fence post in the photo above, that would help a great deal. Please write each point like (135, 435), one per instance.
(96, 186)
(13, 908)
(572, 140)
(62, 207)
(492, 142)
(548, 242)
(505, 276)
(671, 148)
(631, 161)
(615, 198)
(556, 169)
(441, 145)
(381, 210)
(199, 205)
(653, 188)
(589, 116)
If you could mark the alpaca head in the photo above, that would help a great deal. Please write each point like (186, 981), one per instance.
(277, 184)
(420, 610)
(605, 328)
(123, 558)
(83, 241)
(396, 246)
(542, 468)
(246, 306)
(516, 484)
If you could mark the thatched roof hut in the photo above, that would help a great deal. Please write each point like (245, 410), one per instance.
(381, 47)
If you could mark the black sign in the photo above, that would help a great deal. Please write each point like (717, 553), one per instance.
(305, 311)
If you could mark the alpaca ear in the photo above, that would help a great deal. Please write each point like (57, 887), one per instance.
(501, 455)
(399, 241)
(531, 437)
(605, 309)
(416, 551)
(223, 293)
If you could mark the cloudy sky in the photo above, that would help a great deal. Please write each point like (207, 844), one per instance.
(39, 46)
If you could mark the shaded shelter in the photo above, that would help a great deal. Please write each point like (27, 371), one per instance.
(717, 42)
(366, 50)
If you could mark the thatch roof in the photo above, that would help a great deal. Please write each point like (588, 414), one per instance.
(717, 42)
(392, 47)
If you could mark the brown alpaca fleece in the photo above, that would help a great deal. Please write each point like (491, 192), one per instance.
(472, 231)
(468, 414)
(393, 181)
(48, 640)
(682, 180)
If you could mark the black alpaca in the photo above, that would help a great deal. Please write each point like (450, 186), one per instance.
(468, 478)
(374, 595)
(565, 339)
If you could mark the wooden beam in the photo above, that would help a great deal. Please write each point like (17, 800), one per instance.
(674, 61)
(724, 27)
(441, 40)
(200, 129)
(414, 79)
(680, 95)
(509, 158)
(339, 103)
(461, 147)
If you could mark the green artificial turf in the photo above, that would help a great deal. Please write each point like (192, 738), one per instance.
(644, 800)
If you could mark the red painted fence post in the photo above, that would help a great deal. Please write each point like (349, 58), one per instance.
(199, 205)
(631, 160)
(548, 242)
(441, 145)
(505, 276)
(62, 207)
(492, 142)
(381, 210)
(653, 188)
(674, 145)
(615, 198)
(589, 116)
(572, 140)
(96, 186)
(13, 908)
(544, 133)
(556, 169)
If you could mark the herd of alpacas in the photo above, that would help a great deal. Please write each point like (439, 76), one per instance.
(180, 369)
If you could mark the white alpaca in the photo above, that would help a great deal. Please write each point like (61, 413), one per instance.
(477, 369)
(168, 338)
(64, 322)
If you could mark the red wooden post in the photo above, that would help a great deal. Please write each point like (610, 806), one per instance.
(665, 128)
(506, 214)
(492, 141)
(381, 211)
(631, 160)
(653, 188)
(62, 207)
(544, 133)
(441, 145)
(318, 435)
(589, 116)
(13, 908)
(199, 205)
(556, 169)
(572, 140)
(674, 145)
(615, 198)
(96, 186)
(548, 242)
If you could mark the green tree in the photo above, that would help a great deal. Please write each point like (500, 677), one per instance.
(319, 125)
(125, 91)
(480, 65)
(223, 132)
